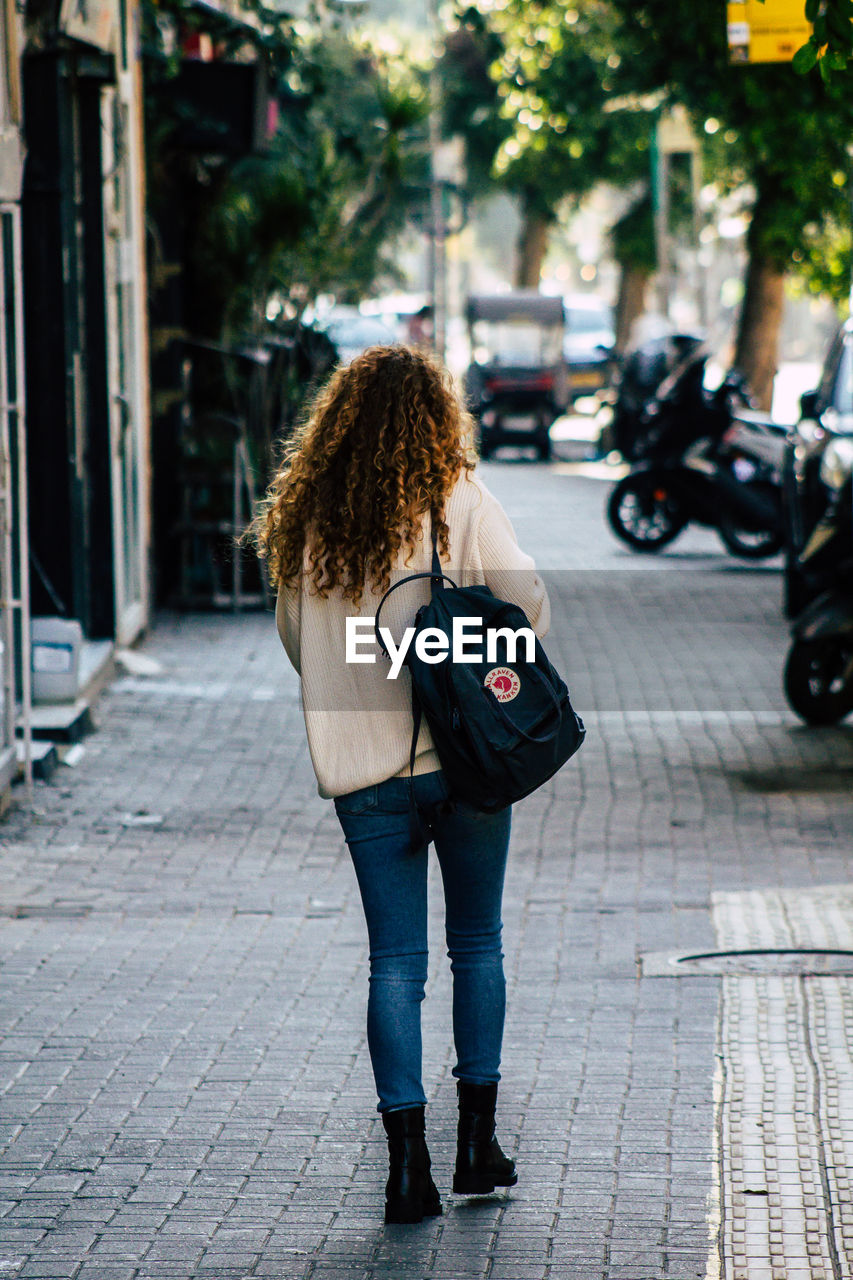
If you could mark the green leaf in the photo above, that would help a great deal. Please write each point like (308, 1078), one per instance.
(825, 69)
(805, 58)
(837, 60)
(812, 9)
(839, 26)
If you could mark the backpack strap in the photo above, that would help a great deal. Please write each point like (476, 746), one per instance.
(419, 834)
(437, 580)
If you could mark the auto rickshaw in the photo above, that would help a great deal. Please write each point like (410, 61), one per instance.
(517, 382)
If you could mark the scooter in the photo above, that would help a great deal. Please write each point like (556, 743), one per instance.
(818, 677)
(704, 458)
(667, 369)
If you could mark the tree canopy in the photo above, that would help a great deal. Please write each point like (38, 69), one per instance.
(530, 84)
(557, 119)
(786, 136)
(781, 136)
(830, 46)
(315, 210)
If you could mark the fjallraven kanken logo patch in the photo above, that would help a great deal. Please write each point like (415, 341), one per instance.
(504, 683)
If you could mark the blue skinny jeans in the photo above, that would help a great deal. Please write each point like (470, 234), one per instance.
(472, 851)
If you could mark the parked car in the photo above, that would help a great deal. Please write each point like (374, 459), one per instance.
(517, 382)
(350, 332)
(588, 343)
(826, 418)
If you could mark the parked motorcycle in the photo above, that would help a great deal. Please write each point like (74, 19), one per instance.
(644, 372)
(818, 676)
(702, 457)
(826, 414)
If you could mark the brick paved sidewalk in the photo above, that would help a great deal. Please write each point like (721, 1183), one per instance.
(185, 1084)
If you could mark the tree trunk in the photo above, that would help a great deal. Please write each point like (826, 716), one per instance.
(631, 301)
(757, 344)
(532, 244)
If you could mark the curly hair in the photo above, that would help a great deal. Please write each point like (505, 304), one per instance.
(384, 442)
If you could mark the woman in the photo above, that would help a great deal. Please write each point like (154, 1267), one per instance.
(380, 463)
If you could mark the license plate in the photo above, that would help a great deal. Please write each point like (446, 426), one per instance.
(586, 378)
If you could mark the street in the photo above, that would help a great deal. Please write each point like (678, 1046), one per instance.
(185, 1087)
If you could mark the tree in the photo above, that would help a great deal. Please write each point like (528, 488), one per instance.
(241, 243)
(633, 240)
(527, 83)
(830, 46)
(315, 209)
(786, 137)
(469, 93)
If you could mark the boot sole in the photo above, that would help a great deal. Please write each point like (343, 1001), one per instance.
(406, 1217)
(474, 1185)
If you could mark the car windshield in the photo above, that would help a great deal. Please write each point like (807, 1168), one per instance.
(587, 320)
(516, 342)
(359, 331)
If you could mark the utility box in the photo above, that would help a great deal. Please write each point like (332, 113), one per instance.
(56, 647)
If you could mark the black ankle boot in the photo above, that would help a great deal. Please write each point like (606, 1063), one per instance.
(410, 1193)
(480, 1164)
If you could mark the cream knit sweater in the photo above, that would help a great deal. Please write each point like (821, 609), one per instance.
(359, 721)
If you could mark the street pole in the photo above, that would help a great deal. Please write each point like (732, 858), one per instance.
(660, 209)
(437, 229)
(672, 135)
(702, 301)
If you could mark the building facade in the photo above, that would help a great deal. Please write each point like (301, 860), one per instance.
(85, 317)
(14, 577)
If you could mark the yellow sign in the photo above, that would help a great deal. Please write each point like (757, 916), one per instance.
(768, 32)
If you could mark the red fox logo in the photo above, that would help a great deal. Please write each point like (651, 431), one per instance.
(504, 683)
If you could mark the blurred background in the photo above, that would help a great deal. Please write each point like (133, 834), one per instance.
(206, 204)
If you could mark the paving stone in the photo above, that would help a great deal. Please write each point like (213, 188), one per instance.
(185, 1066)
(787, 1047)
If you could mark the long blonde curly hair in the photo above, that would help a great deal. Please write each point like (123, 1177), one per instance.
(384, 443)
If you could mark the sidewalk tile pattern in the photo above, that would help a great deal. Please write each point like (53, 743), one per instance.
(786, 1111)
(184, 1084)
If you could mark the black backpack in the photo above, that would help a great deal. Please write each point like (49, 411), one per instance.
(500, 728)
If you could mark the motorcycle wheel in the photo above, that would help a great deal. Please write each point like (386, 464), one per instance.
(642, 513)
(750, 544)
(818, 684)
